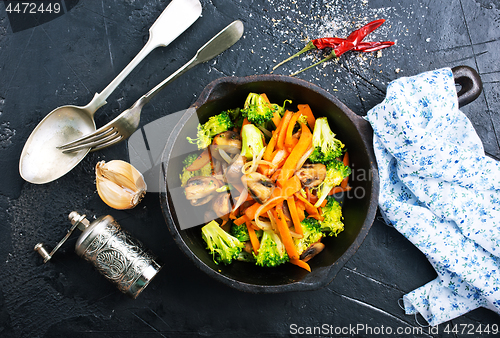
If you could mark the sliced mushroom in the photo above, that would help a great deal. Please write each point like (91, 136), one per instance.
(228, 141)
(200, 189)
(248, 248)
(222, 205)
(233, 172)
(312, 251)
(311, 175)
(201, 201)
(259, 186)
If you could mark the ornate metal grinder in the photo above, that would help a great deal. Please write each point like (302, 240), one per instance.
(115, 253)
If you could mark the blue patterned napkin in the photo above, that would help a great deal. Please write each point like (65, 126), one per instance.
(441, 192)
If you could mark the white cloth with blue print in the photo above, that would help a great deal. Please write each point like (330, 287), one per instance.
(441, 192)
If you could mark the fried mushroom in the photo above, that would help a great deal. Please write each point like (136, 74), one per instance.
(312, 251)
(228, 141)
(200, 189)
(259, 186)
(233, 172)
(311, 175)
(222, 205)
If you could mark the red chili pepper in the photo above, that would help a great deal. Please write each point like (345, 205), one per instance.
(359, 34)
(367, 47)
(323, 43)
(340, 46)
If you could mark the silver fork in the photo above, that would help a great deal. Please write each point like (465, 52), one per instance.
(124, 125)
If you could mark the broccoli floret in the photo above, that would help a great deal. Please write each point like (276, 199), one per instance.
(236, 116)
(223, 247)
(312, 233)
(251, 141)
(326, 146)
(332, 222)
(206, 170)
(241, 232)
(257, 110)
(272, 251)
(280, 109)
(215, 125)
(336, 171)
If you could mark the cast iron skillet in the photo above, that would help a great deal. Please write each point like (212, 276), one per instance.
(359, 206)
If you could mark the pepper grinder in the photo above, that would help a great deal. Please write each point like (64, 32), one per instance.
(118, 256)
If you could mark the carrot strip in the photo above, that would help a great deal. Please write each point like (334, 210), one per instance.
(265, 98)
(338, 189)
(306, 110)
(270, 146)
(233, 213)
(286, 237)
(344, 182)
(254, 226)
(289, 130)
(294, 143)
(295, 216)
(276, 175)
(300, 210)
(301, 264)
(280, 157)
(291, 187)
(241, 220)
(310, 197)
(251, 212)
(297, 152)
(282, 132)
(345, 160)
(245, 122)
(311, 209)
(253, 237)
(276, 116)
(268, 153)
(263, 168)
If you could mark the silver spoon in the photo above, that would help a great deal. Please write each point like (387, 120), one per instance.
(40, 160)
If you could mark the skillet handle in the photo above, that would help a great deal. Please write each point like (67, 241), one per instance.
(470, 82)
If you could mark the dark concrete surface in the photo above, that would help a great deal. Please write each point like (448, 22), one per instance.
(67, 59)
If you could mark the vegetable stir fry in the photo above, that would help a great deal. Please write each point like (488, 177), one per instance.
(267, 176)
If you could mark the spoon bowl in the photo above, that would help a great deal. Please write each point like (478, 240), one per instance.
(41, 161)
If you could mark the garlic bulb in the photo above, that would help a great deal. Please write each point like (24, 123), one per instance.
(119, 184)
